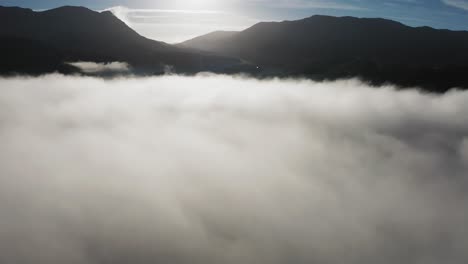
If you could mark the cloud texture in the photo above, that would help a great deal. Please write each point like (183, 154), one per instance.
(215, 169)
(462, 4)
(100, 68)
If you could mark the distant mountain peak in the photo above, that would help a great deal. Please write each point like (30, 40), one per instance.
(40, 42)
(350, 19)
(327, 47)
(70, 9)
(15, 9)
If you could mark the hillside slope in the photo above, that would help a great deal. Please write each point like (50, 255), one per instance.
(79, 34)
(327, 47)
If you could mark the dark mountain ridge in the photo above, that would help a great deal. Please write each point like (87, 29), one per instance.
(319, 47)
(80, 34)
(374, 49)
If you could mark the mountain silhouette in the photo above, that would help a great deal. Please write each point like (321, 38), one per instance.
(319, 47)
(325, 47)
(39, 42)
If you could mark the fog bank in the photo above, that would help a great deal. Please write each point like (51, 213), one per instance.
(217, 169)
(101, 68)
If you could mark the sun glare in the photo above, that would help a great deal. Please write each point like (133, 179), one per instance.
(198, 4)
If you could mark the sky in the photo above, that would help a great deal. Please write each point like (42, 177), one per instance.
(177, 20)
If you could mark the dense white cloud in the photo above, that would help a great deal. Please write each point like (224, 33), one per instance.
(216, 169)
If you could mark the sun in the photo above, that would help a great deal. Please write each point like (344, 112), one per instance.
(198, 4)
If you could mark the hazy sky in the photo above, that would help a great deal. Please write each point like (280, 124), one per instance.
(177, 26)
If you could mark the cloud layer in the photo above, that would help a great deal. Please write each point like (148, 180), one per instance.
(462, 4)
(215, 169)
(101, 68)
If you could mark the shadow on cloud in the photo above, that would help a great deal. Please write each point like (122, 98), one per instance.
(217, 169)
